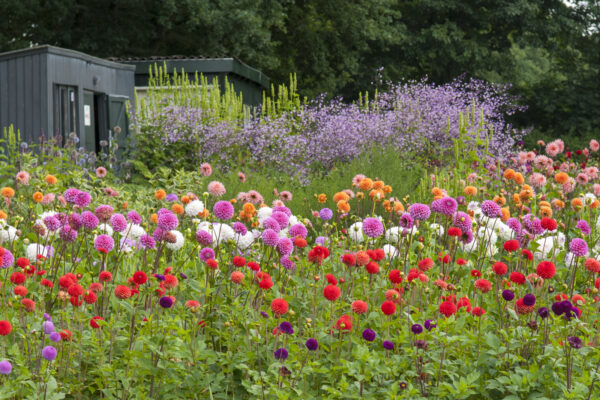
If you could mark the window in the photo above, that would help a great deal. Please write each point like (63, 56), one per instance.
(65, 110)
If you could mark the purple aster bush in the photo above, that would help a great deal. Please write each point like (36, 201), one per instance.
(325, 132)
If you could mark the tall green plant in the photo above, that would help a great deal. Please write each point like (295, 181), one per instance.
(285, 98)
(219, 103)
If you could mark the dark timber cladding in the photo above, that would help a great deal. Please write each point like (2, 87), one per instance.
(49, 90)
(245, 79)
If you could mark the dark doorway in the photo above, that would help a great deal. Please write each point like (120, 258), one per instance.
(65, 110)
(89, 121)
(100, 102)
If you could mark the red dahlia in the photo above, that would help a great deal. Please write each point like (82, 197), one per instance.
(546, 269)
(279, 306)
(395, 276)
(140, 277)
(592, 265)
(454, 231)
(447, 308)
(5, 328)
(359, 306)
(105, 276)
(349, 260)
(94, 323)
(500, 268)
(75, 290)
(122, 292)
(17, 278)
(388, 307)
(511, 245)
(548, 223)
(265, 284)
(478, 311)
(521, 308)
(517, 277)
(483, 285)
(28, 304)
(372, 267)
(331, 279)
(425, 264)
(89, 297)
(253, 266)
(170, 281)
(344, 323)
(332, 292)
(238, 261)
(317, 254)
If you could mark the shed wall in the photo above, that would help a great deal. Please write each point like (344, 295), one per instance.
(86, 76)
(23, 95)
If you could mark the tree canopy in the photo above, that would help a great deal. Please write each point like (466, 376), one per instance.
(548, 49)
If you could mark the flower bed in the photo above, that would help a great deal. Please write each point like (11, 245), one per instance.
(487, 287)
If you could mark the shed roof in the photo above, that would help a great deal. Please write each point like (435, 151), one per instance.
(200, 64)
(63, 52)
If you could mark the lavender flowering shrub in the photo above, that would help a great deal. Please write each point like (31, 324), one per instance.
(415, 117)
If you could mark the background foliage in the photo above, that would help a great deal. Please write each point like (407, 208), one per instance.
(548, 49)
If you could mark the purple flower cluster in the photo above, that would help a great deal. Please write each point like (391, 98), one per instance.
(322, 133)
(372, 227)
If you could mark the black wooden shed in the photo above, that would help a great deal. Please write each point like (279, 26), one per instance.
(47, 89)
(246, 80)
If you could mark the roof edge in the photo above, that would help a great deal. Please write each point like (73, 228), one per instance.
(213, 65)
(49, 49)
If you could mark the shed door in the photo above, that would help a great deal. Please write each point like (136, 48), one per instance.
(65, 110)
(117, 117)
